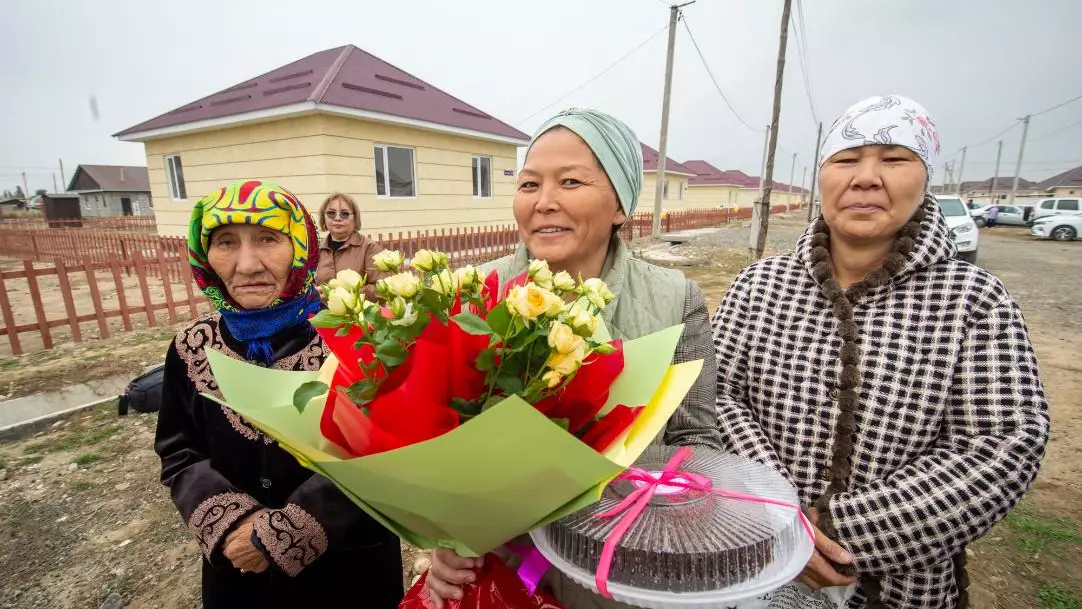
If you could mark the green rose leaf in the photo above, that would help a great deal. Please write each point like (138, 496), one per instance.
(326, 319)
(472, 324)
(306, 392)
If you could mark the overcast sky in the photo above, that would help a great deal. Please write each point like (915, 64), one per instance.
(977, 65)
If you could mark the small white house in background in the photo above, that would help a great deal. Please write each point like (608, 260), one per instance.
(112, 190)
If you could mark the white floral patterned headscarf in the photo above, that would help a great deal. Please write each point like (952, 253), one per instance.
(889, 120)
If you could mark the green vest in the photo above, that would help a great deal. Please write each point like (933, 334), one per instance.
(648, 298)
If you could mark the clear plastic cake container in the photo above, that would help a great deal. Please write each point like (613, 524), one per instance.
(791, 545)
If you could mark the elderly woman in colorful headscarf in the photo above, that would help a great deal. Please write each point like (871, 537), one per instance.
(272, 533)
(580, 181)
(894, 385)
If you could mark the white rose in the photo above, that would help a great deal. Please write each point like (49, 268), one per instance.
(567, 363)
(584, 323)
(468, 277)
(552, 379)
(597, 292)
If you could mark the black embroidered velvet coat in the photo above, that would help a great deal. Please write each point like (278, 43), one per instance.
(324, 551)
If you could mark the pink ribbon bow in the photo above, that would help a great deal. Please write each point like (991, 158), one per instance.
(633, 505)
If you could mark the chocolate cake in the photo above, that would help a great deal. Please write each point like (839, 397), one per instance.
(685, 540)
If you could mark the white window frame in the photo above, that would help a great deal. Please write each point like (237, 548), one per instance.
(679, 190)
(177, 188)
(381, 149)
(476, 171)
(665, 190)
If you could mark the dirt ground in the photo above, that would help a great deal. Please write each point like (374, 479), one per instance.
(85, 524)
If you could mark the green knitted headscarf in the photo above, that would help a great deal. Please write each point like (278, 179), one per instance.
(612, 142)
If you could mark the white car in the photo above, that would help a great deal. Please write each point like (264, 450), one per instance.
(1059, 227)
(1057, 206)
(963, 229)
(1009, 215)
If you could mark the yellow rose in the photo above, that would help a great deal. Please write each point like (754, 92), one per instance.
(424, 260)
(348, 279)
(531, 301)
(388, 261)
(567, 363)
(540, 274)
(597, 292)
(444, 282)
(562, 338)
(552, 379)
(405, 285)
(584, 322)
(563, 281)
(341, 301)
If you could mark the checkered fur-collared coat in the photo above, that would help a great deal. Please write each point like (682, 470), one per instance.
(951, 423)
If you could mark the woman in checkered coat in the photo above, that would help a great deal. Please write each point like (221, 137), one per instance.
(893, 385)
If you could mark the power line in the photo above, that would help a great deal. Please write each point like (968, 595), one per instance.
(715, 80)
(983, 142)
(595, 76)
(800, 33)
(1058, 131)
(1060, 105)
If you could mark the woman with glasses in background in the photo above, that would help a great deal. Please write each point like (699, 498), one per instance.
(345, 247)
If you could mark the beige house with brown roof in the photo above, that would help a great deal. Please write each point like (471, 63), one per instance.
(340, 120)
(674, 193)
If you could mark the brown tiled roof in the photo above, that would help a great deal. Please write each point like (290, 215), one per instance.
(708, 175)
(1002, 182)
(1071, 177)
(110, 177)
(650, 157)
(344, 77)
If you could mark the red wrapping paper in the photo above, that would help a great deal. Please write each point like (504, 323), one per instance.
(497, 587)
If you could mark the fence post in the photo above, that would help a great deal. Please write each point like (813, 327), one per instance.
(9, 319)
(69, 303)
(95, 297)
(39, 307)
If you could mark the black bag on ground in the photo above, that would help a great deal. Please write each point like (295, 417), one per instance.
(144, 393)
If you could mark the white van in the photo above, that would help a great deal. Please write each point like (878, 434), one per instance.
(1056, 206)
(963, 229)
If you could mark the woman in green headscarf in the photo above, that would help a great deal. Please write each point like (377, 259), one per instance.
(580, 181)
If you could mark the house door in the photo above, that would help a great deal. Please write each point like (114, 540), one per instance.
(125, 206)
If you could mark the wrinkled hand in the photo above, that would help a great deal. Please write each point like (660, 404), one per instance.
(448, 573)
(239, 550)
(819, 573)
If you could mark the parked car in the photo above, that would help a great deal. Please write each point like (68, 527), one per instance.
(1057, 205)
(1009, 215)
(963, 230)
(1059, 227)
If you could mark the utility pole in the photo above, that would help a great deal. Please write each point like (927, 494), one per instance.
(792, 176)
(663, 144)
(995, 176)
(762, 164)
(815, 172)
(946, 172)
(803, 180)
(63, 178)
(54, 183)
(26, 189)
(962, 169)
(1018, 166)
(758, 240)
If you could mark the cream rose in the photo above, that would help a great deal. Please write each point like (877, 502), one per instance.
(540, 274)
(348, 279)
(444, 282)
(597, 292)
(405, 314)
(341, 301)
(424, 260)
(468, 277)
(563, 281)
(389, 261)
(405, 285)
(584, 323)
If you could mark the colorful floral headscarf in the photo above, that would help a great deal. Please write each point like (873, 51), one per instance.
(265, 204)
(888, 120)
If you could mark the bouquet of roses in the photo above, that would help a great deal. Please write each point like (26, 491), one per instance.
(462, 413)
